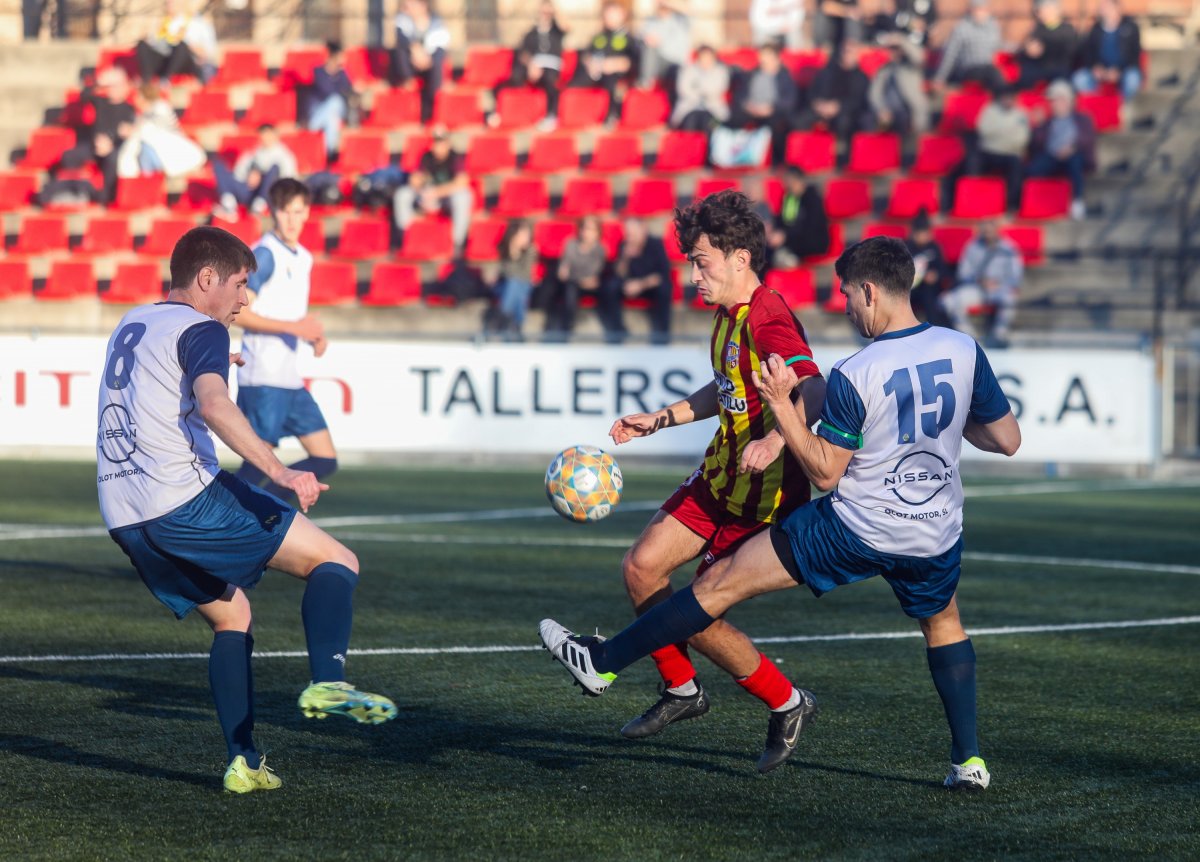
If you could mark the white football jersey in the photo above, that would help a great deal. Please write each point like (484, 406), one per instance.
(270, 358)
(901, 403)
(153, 451)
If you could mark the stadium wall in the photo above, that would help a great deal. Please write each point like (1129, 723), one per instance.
(1075, 406)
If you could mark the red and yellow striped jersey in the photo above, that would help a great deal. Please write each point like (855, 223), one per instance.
(740, 337)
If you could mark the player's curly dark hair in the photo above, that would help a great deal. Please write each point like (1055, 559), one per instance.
(882, 260)
(730, 223)
(208, 246)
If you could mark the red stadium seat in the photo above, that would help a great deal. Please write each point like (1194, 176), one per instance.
(365, 66)
(300, 64)
(200, 194)
(938, 155)
(232, 146)
(909, 197)
(163, 235)
(847, 198)
(42, 233)
(898, 231)
(17, 189)
(960, 111)
(1044, 198)
(979, 197)
(135, 283)
(363, 237)
(416, 145)
(582, 107)
(240, 66)
(69, 279)
(650, 197)
(312, 236)
(586, 196)
(871, 60)
(334, 282)
(1035, 104)
(456, 109)
(711, 185)
(247, 228)
(490, 153)
(1103, 108)
(836, 304)
(952, 239)
(745, 59)
(612, 233)
(309, 149)
(106, 234)
(522, 196)
(428, 239)
(1030, 240)
(552, 153)
(644, 109)
(486, 66)
(796, 286)
(483, 240)
(1009, 66)
(120, 58)
(619, 151)
(520, 107)
(392, 108)
(207, 108)
(671, 242)
(362, 152)
(874, 153)
(392, 285)
(837, 244)
(15, 281)
(681, 151)
(812, 152)
(550, 235)
(46, 146)
(799, 60)
(270, 109)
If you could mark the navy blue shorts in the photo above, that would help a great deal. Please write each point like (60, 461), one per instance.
(275, 413)
(224, 535)
(820, 552)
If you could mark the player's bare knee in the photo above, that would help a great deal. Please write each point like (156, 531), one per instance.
(344, 556)
(641, 572)
(717, 589)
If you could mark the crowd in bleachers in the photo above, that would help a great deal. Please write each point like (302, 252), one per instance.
(537, 174)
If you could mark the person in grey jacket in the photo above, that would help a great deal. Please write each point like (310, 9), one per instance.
(1003, 137)
(701, 92)
(666, 43)
(989, 272)
(970, 51)
(897, 93)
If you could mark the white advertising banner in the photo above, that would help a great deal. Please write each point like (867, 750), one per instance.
(1074, 405)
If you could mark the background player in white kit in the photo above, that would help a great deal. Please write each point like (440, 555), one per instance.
(200, 537)
(888, 446)
(270, 390)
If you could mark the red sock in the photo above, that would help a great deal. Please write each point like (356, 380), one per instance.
(674, 665)
(768, 684)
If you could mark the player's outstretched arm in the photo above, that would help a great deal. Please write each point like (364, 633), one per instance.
(701, 404)
(308, 328)
(228, 423)
(762, 453)
(1002, 436)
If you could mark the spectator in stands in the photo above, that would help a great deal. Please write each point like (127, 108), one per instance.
(701, 93)
(108, 119)
(156, 145)
(841, 23)
(641, 271)
(1000, 142)
(767, 97)
(331, 97)
(580, 270)
(666, 44)
(1064, 144)
(838, 97)
(538, 63)
(913, 19)
(422, 41)
(185, 43)
(607, 61)
(970, 52)
(777, 22)
(253, 175)
(1111, 53)
(801, 229)
(933, 272)
(514, 282)
(1049, 50)
(989, 272)
(439, 184)
(756, 190)
(896, 94)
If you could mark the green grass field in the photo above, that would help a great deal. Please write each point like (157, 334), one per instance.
(1092, 736)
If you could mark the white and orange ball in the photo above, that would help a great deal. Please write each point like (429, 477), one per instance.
(583, 483)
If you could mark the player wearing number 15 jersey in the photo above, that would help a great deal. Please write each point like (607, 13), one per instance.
(199, 537)
(888, 447)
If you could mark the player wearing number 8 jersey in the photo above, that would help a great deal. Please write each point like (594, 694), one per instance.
(199, 537)
(888, 446)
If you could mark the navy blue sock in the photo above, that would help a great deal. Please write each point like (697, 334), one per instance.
(250, 474)
(327, 610)
(321, 467)
(669, 622)
(232, 683)
(953, 670)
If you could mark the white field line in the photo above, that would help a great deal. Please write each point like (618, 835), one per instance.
(499, 648)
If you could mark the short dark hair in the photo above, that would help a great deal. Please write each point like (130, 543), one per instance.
(881, 260)
(286, 190)
(208, 246)
(729, 220)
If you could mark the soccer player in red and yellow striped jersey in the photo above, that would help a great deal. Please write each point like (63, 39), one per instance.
(748, 478)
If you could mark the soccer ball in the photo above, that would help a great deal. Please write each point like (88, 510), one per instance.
(583, 483)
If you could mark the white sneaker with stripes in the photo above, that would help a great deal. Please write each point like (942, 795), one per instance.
(571, 651)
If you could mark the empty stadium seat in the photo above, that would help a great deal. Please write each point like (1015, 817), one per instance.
(979, 197)
(365, 66)
(910, 196)
(392, 285)
(428, 239)
(1103, 108)
(522, 196)
(106, 234)
(582, 107)
(17, 189)
(938, 155)
(312, 236)
(416, 145)
(456, 109)
(874, 153)
(363, 237)
(200, 194)
(41, 233)
(395, 107)
(711, 185)
(271, 109)
(836, 304)
(619, 151)
(796, 286)
(163, 235)
(586, 195)
(952, 239)
(69, 279)
(1030, 240)
(552, 153)
(134, 283)
(644, 109)
(898, 231)
(240, 66)
(812, 152)
(550, 235)
(960, 110)
(837, 244)
(363, 151)
(334, 282)
(847, 198)
(483, 240)
(1045, 197)
(300, 64)
(681, 151)
(207, 108)
(745, 58)
(486, 66)
(15, 281)
(520, 107)
(309, 149)
(247, 228)
(671, 242)
(490, 153)
(46, 146)
(650, 196)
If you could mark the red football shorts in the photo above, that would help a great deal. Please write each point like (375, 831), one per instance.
(694, 506)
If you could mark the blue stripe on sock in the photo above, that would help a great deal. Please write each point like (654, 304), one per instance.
(672, 621)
